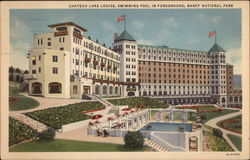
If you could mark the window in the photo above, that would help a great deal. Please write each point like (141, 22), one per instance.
(39, 58)
(61, 49)
(74, 89)
(33, 71)
(54, 58)
(39, 69)
(49, 43)
(34, 60)
(55, 87)
(55, 70)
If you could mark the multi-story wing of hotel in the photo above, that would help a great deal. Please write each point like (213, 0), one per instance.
(65, 64)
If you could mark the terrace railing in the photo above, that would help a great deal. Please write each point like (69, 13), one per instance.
(165, 144)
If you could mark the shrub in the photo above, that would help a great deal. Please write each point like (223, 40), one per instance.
(217, 132)
(134, 140)
(203, 117)
(47, 134)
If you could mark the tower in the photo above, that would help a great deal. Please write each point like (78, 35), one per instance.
(126, 46)
(218, 74)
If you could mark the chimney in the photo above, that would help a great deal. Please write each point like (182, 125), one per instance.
(115, 36)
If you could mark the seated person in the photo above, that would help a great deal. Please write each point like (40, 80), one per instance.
(105, 133)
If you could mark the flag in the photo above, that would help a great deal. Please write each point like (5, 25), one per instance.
(212, 34)
(121, 18)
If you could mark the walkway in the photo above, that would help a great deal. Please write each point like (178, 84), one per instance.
(212, 123)
(43, 104)
(48, 103)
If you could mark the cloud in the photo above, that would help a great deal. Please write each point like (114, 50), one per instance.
(108, 26)
(234, 57)
(170, 22)
(206, 19)
(216, 19)
(18, 54)
(138, 24)
(18, 28)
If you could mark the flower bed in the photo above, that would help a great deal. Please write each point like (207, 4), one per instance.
(62, 115)
(136, 101)
(236, 120)
(19, 132)
(201, 109)
(89, 111)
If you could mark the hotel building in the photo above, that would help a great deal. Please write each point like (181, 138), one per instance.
(66, 64)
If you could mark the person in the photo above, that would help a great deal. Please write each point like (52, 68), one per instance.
(99, 133)
(105, 133)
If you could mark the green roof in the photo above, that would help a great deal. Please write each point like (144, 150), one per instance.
(216, 48)
(124, 36)
(227, 64)
(166, 47)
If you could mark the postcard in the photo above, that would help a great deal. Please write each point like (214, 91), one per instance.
(124, 80)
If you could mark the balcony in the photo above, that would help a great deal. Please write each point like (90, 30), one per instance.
(77, 35)
(87, 60)
(115, 68)
(61, 33)
(131, 89)
(95, 62)
(117, 49)
(109, 66)
(30, 76)
(102, 64)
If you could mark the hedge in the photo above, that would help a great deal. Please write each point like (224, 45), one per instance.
(19, 132)
(57, 116)
(135, 101)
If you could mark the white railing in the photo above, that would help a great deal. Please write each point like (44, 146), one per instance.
(164, 143)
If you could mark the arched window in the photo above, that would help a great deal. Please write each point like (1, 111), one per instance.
(55, 87)
(36, 88)
(104, 90)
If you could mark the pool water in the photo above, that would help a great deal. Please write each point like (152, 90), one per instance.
(167, 127)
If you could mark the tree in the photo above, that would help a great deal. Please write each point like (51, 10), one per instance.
(11, 69)
(104, 44)
(89, 37)
(26, 72)
(21, 79)
(17, 78)
(97, 41)
(18, 70)
(11, 78)
(47, 134)
(134, 140)
(217, 132)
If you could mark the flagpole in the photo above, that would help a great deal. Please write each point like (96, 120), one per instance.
(215, 36)
(125, 22)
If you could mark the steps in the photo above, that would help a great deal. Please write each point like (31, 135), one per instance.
(155, 146)
(103, 101)
(30, 122)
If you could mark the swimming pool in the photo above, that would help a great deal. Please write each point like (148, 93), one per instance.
(167, 127)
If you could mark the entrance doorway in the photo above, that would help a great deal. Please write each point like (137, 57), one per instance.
(86, 90)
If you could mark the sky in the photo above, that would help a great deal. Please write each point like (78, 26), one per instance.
(175, 28)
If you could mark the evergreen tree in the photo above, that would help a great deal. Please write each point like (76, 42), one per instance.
(17, 78)
(11, 78)
(26, 72)
(89, 37)
(97, 41)
(104, 44)
(11, 69)
(18, 70)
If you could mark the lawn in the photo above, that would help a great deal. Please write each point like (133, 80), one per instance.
(55, 117)
(61, 145)
(211, 115)
(135, 101)
(23, 102)
(236, 141)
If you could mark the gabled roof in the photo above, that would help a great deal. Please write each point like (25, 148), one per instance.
(216, 48)
(124, 36)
